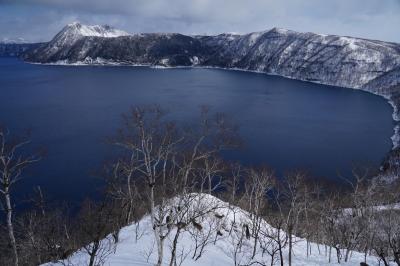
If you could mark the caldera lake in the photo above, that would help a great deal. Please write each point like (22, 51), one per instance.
(285, 124)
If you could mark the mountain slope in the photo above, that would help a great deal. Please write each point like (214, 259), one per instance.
(329, 59)
(222, 230)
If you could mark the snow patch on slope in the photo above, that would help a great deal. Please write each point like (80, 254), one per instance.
(350, 42)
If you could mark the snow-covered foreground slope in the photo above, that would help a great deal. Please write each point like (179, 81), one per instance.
(223, 227)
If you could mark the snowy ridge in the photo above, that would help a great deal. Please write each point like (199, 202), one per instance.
(137, 247)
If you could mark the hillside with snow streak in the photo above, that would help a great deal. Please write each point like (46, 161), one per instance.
(220, 234)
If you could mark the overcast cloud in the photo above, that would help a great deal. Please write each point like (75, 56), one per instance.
(39, 20)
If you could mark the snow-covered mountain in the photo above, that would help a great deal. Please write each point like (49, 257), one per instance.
(75, 31)
(217, 238)
(329, 59)
(77, 43)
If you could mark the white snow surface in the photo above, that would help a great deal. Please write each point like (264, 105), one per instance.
(137, 244)
(73, 32)
(96, 30)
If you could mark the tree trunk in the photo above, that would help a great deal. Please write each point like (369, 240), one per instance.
(255, 238)
(397, 258)
(93, 253)
(280, 247)
(382, 256)
(174, 244)
(347, 255)
(130, 204)
(272, 259)
(209, 184)
(10, 227)
(290, 247)
(160, 246)
(338, 254)
(330, 253)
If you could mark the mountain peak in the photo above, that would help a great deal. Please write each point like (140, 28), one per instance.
(106, 31)
(74, 24)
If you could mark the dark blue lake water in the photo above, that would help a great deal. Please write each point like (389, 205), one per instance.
(286, 124)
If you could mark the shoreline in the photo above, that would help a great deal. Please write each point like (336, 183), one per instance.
(395, 138)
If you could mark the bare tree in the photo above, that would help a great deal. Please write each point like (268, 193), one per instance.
(12, 165)
(233, 183)
(292, 190)
(257, 185)
(387, 227)
(278, 220)
(44, 238)
(150, 143)
(95, 223)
